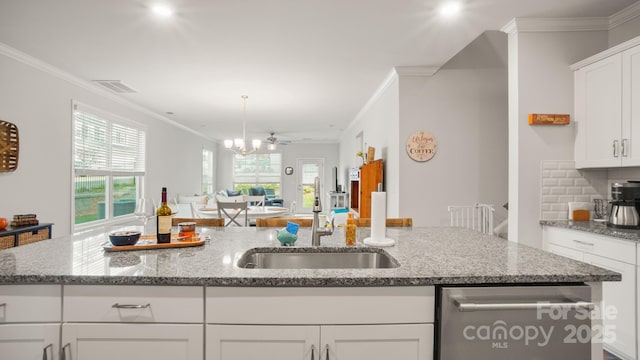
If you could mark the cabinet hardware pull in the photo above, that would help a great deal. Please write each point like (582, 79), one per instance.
(615, 148)
(470, 307)
(313, 350)
(624, 147)
(129, 306)
(583, 242)
(63, 353)
(44, 351)
(327, 347)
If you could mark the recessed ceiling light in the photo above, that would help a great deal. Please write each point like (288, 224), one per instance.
(162, 10)
(450, 9)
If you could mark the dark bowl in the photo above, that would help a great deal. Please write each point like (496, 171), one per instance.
(120, 238)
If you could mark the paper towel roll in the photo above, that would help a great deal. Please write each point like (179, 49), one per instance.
(378, 215)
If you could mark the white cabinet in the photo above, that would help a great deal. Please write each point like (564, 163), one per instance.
(309, 323)
(607, 111)
(345, 342)
(30, 322)
(613, 254)
(133, 322)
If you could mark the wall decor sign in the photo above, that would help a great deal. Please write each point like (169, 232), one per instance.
(549, 119)
(421, 146)
(9, 146)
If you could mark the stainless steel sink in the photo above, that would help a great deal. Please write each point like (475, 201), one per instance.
(316, 258)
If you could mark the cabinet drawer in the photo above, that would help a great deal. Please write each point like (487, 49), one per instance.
(122, 303)
(7, 241)
(30, 303)
(357, 305)
(601, 245)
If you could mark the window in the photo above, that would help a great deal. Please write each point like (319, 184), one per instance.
(207, 171)
(109, 165)
(257, 170)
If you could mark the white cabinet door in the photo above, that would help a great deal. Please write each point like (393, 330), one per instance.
(132, 341)
(598, 113)
(29, 342)
(242, 342)
(377, 342)
(619, 296)
(631, 106)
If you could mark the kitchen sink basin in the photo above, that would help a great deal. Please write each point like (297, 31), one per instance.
(316, 258)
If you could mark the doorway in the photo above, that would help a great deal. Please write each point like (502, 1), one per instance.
(309, 169)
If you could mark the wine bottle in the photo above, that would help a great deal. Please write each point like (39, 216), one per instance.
(163, 220)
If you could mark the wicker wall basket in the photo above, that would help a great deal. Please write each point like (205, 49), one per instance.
(9, 146)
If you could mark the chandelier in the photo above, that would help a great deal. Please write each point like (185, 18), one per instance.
(239, 146)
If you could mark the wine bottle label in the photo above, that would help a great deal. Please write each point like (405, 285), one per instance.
(164, 229)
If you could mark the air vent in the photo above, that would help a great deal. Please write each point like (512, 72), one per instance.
(115, 86)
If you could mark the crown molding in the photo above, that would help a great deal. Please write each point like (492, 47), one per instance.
(416, 70)
(519, 25)
(606, 53)
(38, 64)
(629, 13)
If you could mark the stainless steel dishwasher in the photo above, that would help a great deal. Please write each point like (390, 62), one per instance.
(514, 322)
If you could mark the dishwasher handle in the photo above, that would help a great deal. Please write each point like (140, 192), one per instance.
(470, 307)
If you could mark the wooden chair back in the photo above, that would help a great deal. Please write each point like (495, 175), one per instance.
(199, 221)
(282, 222)
(391, 222)
(232, 211)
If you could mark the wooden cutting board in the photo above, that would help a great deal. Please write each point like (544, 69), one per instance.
(149, 242)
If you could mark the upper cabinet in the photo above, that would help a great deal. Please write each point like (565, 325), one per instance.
(607, 108)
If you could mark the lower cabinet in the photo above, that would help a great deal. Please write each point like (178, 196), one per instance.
(618, 308)
(344, 342)
(30, 322)
(104, 322)
(132, 341)
(28, 342)
(320, 323)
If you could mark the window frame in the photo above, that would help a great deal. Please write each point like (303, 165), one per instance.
(256, 178)
(108, 172)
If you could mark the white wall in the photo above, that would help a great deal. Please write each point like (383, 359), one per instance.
(39, 103)
(378, 122)
(540, 82)
(464, 106)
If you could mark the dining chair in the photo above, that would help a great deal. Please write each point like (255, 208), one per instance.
(199, 221)
(194, 210)
(390, 222)
(254, 200)
(231, 211)
(282, 222)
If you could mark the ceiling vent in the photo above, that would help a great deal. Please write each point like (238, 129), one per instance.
(115, 86)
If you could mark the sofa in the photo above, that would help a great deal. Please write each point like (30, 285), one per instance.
(269, 195)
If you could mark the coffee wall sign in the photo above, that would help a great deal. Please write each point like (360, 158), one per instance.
(421, 146)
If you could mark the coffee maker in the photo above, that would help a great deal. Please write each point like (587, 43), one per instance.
(625, 205)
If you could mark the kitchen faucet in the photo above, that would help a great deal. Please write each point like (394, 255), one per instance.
(316, 230)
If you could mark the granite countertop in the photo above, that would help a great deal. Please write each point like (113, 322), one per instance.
(427, 256)
(594, 227)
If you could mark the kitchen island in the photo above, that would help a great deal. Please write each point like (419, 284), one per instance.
(103, 305)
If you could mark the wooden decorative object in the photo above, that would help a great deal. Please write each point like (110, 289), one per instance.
(549, 119)
(371, 153)
(370, 176)
(9, 146)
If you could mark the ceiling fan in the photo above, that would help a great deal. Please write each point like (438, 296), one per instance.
(272, 142)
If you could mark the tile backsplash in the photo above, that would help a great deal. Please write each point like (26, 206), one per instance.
(561, 183)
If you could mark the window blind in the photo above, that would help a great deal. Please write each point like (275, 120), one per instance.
(105, 145)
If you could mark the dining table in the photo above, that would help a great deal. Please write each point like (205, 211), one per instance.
(253, 212)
